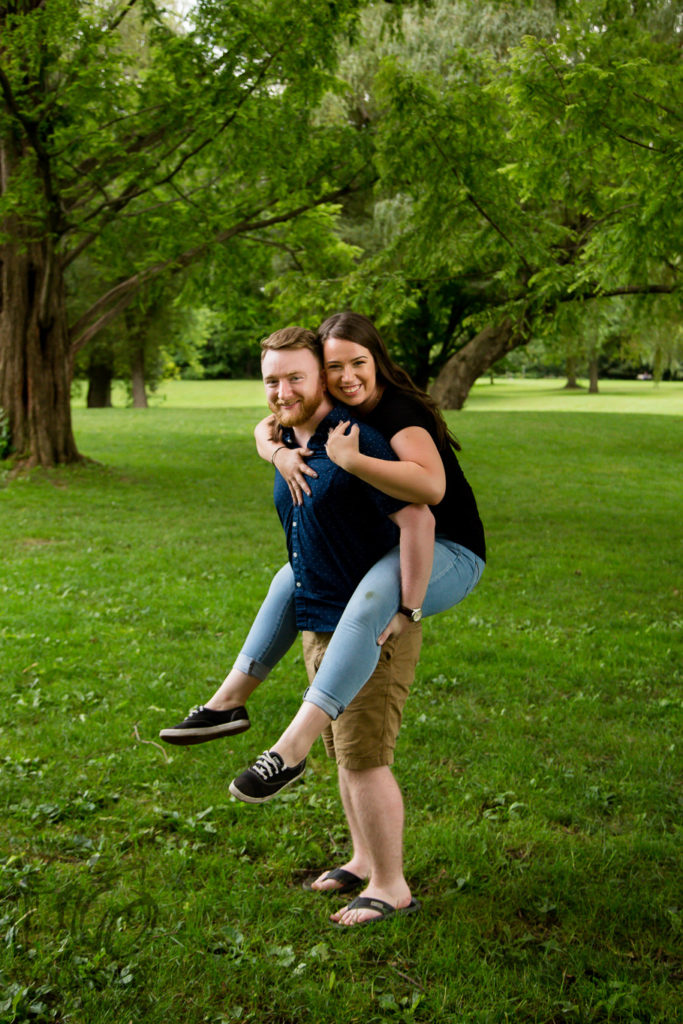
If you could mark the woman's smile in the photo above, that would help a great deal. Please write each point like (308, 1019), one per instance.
(351, 374)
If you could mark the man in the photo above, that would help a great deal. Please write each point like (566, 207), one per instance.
(333, 539)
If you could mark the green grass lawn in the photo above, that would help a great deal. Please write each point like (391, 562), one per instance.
(504, 395)
(540, 753)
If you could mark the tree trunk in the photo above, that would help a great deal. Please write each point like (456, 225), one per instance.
(35, 361)
(137, 373)
(593, 376)
(100, 377)
(572, 383)
(452, 386)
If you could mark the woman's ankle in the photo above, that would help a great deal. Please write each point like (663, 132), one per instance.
(224, 704)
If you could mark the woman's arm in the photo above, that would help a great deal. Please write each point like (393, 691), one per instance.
(416, 524)
(288, 461)
(417, 477)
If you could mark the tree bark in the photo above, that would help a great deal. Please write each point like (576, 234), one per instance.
(35, 361)
(100, 377)
(137, 374)
(452, 386)
(570, 369)
(593, 376)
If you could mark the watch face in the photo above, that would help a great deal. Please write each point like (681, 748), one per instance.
(417, 615)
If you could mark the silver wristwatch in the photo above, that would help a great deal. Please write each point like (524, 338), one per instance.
(414, 614)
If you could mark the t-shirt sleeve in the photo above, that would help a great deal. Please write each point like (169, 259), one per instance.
(399, 412)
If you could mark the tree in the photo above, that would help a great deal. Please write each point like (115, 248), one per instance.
(549, 177)
(211, 137)
(528, 160)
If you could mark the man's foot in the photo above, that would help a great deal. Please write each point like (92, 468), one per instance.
(376, 903)
(338, 880)
(266, 777)
(370, 910)
(204, 724)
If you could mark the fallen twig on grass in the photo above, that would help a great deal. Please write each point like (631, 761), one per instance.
(151, 742)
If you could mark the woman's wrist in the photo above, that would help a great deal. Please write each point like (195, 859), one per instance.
(275, 451)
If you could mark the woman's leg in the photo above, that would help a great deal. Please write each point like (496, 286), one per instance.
(273, 632)
(353, 652)
(270, 637)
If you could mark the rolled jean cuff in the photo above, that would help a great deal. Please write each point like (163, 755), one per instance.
(321, 700)
(250, 667)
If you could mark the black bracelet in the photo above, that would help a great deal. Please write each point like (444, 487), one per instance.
(272, 457)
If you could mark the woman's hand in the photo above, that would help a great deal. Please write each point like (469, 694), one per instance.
(290, 464)
(271, 428)
(341, 447)
(399, 624)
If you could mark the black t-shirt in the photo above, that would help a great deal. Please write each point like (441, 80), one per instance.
(456, 514)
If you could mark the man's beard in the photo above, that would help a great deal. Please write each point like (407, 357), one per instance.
(302, 412)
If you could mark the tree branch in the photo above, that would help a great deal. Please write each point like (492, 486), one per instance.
(119, 17)
(152, 139)
(631, 289)
(30, 127)
(633, 142)
(667, 110)
(118, 297)
(276, 245)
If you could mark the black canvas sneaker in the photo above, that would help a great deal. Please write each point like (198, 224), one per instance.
(266, 777)
(203, 724)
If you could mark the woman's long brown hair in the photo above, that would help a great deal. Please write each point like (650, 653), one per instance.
(350, 326)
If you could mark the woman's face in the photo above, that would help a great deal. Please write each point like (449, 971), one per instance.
(351, 374)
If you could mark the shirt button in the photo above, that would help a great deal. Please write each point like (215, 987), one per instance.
(298, 584)
(295, 555)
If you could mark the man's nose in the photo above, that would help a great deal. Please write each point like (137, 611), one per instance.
(284, 390)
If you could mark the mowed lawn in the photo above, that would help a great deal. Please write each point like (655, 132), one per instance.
(539, 757)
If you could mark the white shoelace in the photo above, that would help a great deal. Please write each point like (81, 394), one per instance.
(267, 765)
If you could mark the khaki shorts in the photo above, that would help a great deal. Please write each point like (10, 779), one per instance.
(364, 736)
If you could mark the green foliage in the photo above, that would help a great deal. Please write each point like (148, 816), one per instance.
(5, 437)
(539, 756)
(147, 142)
(528, 157)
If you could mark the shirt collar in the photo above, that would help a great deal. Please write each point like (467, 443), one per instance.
(337, 414)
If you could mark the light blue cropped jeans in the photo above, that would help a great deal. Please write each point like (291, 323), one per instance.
(353, 651)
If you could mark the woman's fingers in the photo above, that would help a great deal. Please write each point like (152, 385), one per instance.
(397, 625)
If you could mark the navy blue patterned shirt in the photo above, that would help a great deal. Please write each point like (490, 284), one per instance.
(340, 531)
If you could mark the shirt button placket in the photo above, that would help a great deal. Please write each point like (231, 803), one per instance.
(295, 553)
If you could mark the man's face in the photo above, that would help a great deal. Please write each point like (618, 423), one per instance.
(294, 384)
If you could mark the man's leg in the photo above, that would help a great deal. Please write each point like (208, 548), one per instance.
(374, 809)
(360, 861)
(362, 740)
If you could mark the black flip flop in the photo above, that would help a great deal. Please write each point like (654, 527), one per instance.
(349, 882)
(384, 909)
